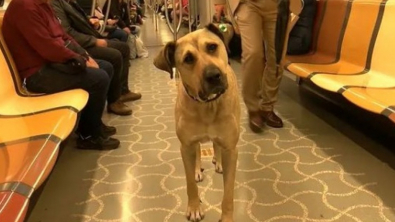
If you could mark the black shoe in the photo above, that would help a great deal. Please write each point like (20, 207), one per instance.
(98, 143)
(271, 119)
(255, 122)
(108, 131)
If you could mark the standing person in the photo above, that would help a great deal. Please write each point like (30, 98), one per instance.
(256, 22)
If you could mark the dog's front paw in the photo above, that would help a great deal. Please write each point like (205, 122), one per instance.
(199, 175)
(226, 220)
(195, 213)
(218, 165)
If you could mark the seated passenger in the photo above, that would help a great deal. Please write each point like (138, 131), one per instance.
(50, 61)
(120, 10)
(113, 21)
(75, 22)
(184, 10)
(301, 36)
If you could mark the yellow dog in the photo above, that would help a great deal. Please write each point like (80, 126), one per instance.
(207, 108)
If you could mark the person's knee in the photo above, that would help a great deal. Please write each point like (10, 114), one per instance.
(116, 57)
(125, 50)
(107, 67)
(253, 53)
(99, 81)
(124, 36)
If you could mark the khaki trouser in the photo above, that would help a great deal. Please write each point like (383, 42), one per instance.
(257, 23)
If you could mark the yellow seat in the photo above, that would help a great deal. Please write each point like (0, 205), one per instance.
(32, 128)
(329, 23)
(376, 100)
(374, 89)
(355, 46)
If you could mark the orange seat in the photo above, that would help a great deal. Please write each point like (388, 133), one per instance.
(13, 206)
(32, 128)
(381, 71)
(28, 161)
(372, 88)
(355, 46)
(376, 100)
(329, 26)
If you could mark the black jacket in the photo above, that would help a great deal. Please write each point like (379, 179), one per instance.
(119, 10)
(301, 36)
(76, 23)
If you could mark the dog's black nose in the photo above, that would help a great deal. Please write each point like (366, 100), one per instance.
(212, 75)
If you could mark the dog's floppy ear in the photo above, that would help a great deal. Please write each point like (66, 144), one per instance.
(212, 28)
(165, 59)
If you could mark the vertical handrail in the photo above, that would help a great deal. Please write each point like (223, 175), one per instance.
(94, 2)
(167, 16)
(174, 29)
(103, 27)
(180, 20)
(190, 16)
(156, 17)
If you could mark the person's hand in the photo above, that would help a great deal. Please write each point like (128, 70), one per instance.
(93, 21)
(92, 63)
(101, 43)
(219, 10)
(127, 30)
(112, 21)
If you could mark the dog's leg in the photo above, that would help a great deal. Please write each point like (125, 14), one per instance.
(198, 168)
(194, 211)
(217, 158)
(229, 162)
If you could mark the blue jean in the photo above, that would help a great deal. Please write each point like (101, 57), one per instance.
(95, 81)
(119, 34)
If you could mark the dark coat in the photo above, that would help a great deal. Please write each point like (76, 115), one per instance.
(119, 10)
(301, 36)
(76, 23)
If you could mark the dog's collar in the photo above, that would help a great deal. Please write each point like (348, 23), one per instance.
(198, 99)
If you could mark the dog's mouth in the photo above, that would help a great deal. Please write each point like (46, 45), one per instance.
(212, 95)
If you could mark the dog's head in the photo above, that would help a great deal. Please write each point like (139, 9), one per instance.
(201, 59)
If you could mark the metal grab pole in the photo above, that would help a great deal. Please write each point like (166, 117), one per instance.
(173, 28)
(174, 20)
(180, 20)
(94, 2)
(156, 17)
(189, 15)
(167, 16)
(105, 17)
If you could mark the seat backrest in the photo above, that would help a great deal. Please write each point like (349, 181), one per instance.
(357, 38)
(319, 15)
(382, 58)
(332, 27)
(9, 76)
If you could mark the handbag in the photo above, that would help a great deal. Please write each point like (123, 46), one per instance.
(74, 66)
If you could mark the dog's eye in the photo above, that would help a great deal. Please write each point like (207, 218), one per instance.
(189, 59)
(212, 47)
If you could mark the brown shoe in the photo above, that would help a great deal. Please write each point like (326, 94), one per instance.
(119, 108)
(271, 119)
(256, 122)
(130, 96)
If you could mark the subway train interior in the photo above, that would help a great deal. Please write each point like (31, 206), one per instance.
(325, 152)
